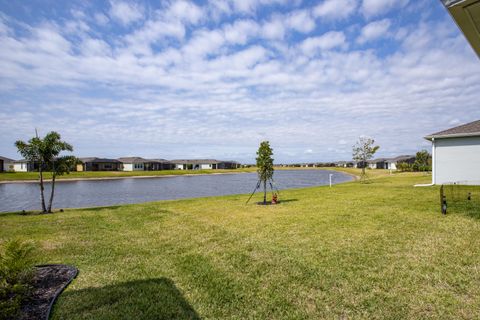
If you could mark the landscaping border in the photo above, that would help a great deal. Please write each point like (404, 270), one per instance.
(59, 291)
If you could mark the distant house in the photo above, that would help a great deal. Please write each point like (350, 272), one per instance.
(391, 163)
(204, 164)
(159, 164)
(99, 164)
(201, 164)
(345, 164)
(456, 154)
(228, 165)
(24, 166)
(141, 164)
(6, 164)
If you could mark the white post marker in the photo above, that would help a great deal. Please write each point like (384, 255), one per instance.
(330, 178)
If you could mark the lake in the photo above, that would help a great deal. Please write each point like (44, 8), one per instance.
(93, 193)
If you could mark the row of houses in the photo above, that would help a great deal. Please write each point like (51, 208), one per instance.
(126, 164)
(380, 163)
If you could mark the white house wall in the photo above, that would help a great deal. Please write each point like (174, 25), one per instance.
(8, 166)
(456, 160)
(128, 167)
(205, 166)
(20, 167)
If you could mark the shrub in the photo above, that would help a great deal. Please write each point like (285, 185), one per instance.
(16, 271)
(404, 166)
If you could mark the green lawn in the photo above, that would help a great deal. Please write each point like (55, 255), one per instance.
(12, 176)
(379, 250)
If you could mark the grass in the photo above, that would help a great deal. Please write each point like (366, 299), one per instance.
(18, 176)
(380, 250)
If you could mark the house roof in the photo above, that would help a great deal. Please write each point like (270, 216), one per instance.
(159, 160)
(401, 158)
(141, 160)
(5, 159)
(201, 161)
(21, 161)
(195, 161)
(133, 160)
(464, 130)
(98, 160)
(466, 14)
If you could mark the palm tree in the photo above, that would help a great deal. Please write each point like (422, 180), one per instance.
(45, 153)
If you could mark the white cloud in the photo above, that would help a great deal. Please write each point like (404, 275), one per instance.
(249, 6)
(327, 41)
(101, 19)
(241, 31)
(185, 11)
(95, 47)
(335, 9)
(376, 7)
(204, 42)
(274, 29)
(125, 12)
(374, 30)
(301, 21)
(196, 92)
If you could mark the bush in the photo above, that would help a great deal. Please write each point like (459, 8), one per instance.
(16, 271)
(404, 167)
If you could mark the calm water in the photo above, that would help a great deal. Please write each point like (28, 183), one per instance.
(74, 194)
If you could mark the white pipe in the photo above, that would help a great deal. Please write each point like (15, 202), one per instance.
(330, 178)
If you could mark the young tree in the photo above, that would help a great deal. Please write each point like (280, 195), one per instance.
(363, 151)
(264, 166)
(422, 159)
(44, 152)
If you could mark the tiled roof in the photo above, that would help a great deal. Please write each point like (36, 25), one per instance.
(195, 161)
(6, 159)
(468, 129)
(98, 160)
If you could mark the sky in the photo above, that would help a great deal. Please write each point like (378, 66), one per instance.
(212, 79)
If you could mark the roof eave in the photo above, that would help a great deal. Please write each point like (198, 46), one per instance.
(455, 135)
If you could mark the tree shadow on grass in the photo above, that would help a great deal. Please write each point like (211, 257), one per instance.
(142, 299)
(102, 208)
(287, 200)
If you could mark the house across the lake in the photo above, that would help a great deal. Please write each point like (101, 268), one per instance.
(6, 164)
(99, 164)
(456, 154)
(125, 164)
(204, 164)
(24, 166)
(391, 163)
(141, 164)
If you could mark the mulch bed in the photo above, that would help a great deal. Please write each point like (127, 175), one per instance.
(48, 282)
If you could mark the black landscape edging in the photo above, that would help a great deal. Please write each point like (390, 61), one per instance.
(50, 307)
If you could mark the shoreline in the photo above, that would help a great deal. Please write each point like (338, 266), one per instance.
(119, 178)
(355, 177)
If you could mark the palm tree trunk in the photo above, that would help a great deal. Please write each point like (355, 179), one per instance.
(264, 191)
(52, 193)
(42, 188)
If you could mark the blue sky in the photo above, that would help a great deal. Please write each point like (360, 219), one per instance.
(197, 79)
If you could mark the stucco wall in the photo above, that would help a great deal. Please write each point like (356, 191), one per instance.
(457, 159)
(20, 167)
(8, 166)
(127, 167)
